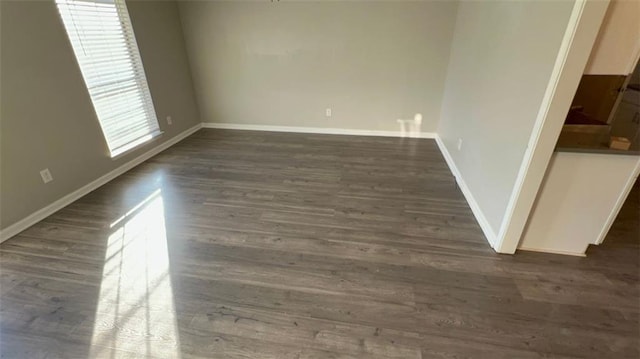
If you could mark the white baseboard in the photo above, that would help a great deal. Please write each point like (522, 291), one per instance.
(43, 213)
(477, 212)
(475, 208)
(71, 197)
(318, 130)
(552, 251)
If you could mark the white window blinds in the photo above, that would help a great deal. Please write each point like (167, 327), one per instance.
(105, 46)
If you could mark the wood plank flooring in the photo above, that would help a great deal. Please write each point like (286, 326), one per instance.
(240, 244)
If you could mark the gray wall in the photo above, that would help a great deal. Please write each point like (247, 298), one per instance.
(46, 116)
(502, 56)
(283, 63)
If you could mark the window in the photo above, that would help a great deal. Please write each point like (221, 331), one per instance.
(103, 42)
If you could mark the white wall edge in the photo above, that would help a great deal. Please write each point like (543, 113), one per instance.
(318, 130)
(45, 212)
(544, 250)
(619, 203)
(536, 133)
(468, 195)
(530, 177)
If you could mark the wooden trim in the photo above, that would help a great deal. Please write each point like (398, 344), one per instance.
(543, 250)
(619, 202)
(43, 213)
(318, 130)
(468, 195)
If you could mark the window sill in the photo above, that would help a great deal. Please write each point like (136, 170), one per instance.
(123, 151)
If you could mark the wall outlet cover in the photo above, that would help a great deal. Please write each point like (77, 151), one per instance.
(46, 175)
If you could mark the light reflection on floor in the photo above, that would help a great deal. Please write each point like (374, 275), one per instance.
(136, 311)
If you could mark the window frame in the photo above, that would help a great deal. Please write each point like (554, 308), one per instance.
(110, 125)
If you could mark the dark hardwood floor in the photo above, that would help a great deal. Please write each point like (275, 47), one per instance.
(239, 244)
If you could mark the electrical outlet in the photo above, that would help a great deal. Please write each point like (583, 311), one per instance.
(459, 144)
(327, 112)
(169, 120)
(46, 175)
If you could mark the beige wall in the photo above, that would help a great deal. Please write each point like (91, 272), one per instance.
(46, 116)
(618, 44)
(501, 61)
(283, 63)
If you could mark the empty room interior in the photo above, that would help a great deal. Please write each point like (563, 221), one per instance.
(319, 179)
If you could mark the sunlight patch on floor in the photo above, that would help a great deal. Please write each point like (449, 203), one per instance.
(136, 311)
